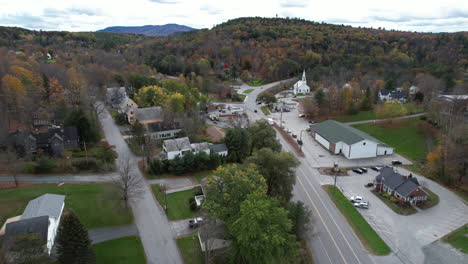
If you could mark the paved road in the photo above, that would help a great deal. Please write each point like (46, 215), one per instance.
(332, 239)
(150, 219)
(63, 178)
(108, 233)
(385, 119)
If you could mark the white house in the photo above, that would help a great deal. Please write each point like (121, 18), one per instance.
(41, 216)
(179, 146)
(301, 87)
(392, 95)
(163, 129)
(176, 147)
(352, 143)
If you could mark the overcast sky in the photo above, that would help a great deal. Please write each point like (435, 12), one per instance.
(91, 15)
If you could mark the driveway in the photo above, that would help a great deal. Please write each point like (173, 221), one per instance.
(109, 233)
(150, 219)
(180, 228)
(175, 183)
(408, 235)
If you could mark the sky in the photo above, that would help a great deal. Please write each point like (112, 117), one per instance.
(91, 15)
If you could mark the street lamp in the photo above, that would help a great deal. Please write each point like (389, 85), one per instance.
(336, 170)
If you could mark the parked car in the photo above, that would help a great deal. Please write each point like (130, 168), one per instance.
(301, 115)
(396, 162)
(311, 122)
(308, 129)
(375, 168)
(355, 199)
(196, 222)
(370, 184)
(294, 135)
(358, 171)
(255, 111)
(259, 103)
(288, 130)
(363, 169)
(363, 205)
(299, 142)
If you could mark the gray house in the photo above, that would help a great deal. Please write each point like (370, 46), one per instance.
(163, 130)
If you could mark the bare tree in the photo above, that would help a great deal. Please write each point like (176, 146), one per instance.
(211, 232)
(130, 184)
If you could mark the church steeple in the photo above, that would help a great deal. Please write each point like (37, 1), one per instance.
(304, 77)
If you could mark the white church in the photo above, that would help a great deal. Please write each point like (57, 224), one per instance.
(301, 86)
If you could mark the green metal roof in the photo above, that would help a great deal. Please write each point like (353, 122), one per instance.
(335, 132)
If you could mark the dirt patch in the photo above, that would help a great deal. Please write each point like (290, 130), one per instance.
(331, 172)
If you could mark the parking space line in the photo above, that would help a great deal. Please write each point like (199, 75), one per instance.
(436, 227)
(445, 225)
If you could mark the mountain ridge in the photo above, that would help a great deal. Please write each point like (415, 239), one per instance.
(149, 30)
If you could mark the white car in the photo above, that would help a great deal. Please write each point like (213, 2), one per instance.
(364, 205)
(356, 199)
(301, 115)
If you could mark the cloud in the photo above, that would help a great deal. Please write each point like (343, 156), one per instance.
(169, 2)
(210, 10)
(293, 3)
(23, 19)
(56, 13)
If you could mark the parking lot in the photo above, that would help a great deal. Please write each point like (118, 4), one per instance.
(407, 235)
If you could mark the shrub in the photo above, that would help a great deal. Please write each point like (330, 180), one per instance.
(82, 164)
(28, 167)
(394, 199)
(197, 191)
(45, 165)
(193, 204)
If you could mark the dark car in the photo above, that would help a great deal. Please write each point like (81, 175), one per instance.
(370, 184)
(358, 171)
(396, 162)
(259, 103)
(255, 111)
(311, 122)
(299, 142)
(363, 169)
(375, 168)
(294, 135)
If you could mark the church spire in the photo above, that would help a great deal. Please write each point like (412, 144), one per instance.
(304, 76)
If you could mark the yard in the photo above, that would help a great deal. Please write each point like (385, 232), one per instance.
(177, 203)
(190, 249)
(371, 114)
(459, 239)
(402, 210)
(404, 137)
(97, 205)
(265, 110)
(126, 250)
(363, 230)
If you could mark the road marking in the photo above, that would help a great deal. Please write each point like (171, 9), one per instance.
(323, 222)
(324, 249)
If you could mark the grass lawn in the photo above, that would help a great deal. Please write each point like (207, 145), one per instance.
(96, 205)
(363, 230)
(248, 91)
(190, 249)
(265, 110)
(404, 137)
(432, 200)
(459, 239)
(362, 115)
(177, 203)
(126, 250)
(198, 175)
(395, 207)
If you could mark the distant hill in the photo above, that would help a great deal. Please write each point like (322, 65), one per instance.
(150, 30)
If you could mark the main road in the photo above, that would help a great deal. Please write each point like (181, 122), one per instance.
(331, 240)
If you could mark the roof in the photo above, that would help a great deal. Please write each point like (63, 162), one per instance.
(162, 126)
(385, 92)
(36, 225)
(336, 132)
(217, 148)
(177, 144)
(148, 113)
(397, 182)
(70, 133)
(200, 146)
(47, 204)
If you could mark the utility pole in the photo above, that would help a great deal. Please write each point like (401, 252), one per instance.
(336, 170)
(300, 140)
(281, 118)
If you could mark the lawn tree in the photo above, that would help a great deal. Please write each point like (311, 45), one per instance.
(210, 230)
(230, 188)
(10, 163)
(73, 243)
(300, 218)
(239, 143)
(264, 136)
(25, 249)
(262, 232)
(278, 171)
(129, 183)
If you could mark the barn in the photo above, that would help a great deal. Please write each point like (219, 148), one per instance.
(352, 143)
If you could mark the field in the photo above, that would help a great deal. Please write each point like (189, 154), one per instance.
(190, 249)
(404, 137)
(371, 115)
(126, 250)
(97, 205)
(177, 203)
(363, 230)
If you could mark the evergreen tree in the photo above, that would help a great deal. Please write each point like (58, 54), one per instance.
(73, 244)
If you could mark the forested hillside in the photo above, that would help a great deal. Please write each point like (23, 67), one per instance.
(276, 48)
